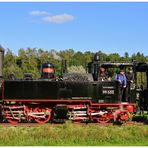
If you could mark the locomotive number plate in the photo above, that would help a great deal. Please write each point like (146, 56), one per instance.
(109, 92)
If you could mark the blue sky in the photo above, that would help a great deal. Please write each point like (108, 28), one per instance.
(113, 27)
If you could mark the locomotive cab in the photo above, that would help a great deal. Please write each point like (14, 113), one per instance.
(108, 90)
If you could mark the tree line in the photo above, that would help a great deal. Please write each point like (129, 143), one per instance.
(29, 60)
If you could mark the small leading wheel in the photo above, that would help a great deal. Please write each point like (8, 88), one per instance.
(42, 114)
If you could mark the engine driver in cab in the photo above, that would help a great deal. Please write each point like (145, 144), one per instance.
(105, 74)
(121, 78)
(130, 81)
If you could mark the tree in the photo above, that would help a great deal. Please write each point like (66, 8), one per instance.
(139, 57)
(67, 54)
(10, 65)
(103, 56)
(29, 60)
(114, 57)
(126, 56)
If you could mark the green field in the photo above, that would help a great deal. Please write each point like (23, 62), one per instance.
(72, 134)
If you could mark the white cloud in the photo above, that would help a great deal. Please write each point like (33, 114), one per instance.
(49, 18)
(37, 12)
(58, 19)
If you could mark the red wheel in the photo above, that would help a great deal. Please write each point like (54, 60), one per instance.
(43, 114)
(123, 116)
(13, 121)
(77, 121)
(26, 109)
(10, 118)
(103, 119)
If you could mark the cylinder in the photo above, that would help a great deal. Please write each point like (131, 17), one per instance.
(1, 60)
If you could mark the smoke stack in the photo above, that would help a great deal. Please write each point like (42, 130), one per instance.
(1, 60)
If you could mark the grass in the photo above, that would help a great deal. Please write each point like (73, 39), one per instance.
(72, 134)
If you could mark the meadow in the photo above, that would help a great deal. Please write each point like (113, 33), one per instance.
(74, 135)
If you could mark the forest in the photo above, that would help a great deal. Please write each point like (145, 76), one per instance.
(29, 60)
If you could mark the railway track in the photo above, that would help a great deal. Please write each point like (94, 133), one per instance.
(82, 124)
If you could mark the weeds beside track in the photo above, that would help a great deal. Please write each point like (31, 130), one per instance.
(69, 134)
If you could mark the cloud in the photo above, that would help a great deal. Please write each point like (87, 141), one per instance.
(49, 18)
(37, 12)
(58, 19)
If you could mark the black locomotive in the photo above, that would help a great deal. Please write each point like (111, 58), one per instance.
(76, 97)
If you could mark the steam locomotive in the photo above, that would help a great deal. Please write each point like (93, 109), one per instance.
(75, 97)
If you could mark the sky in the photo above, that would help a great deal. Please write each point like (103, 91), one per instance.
(112, 27)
